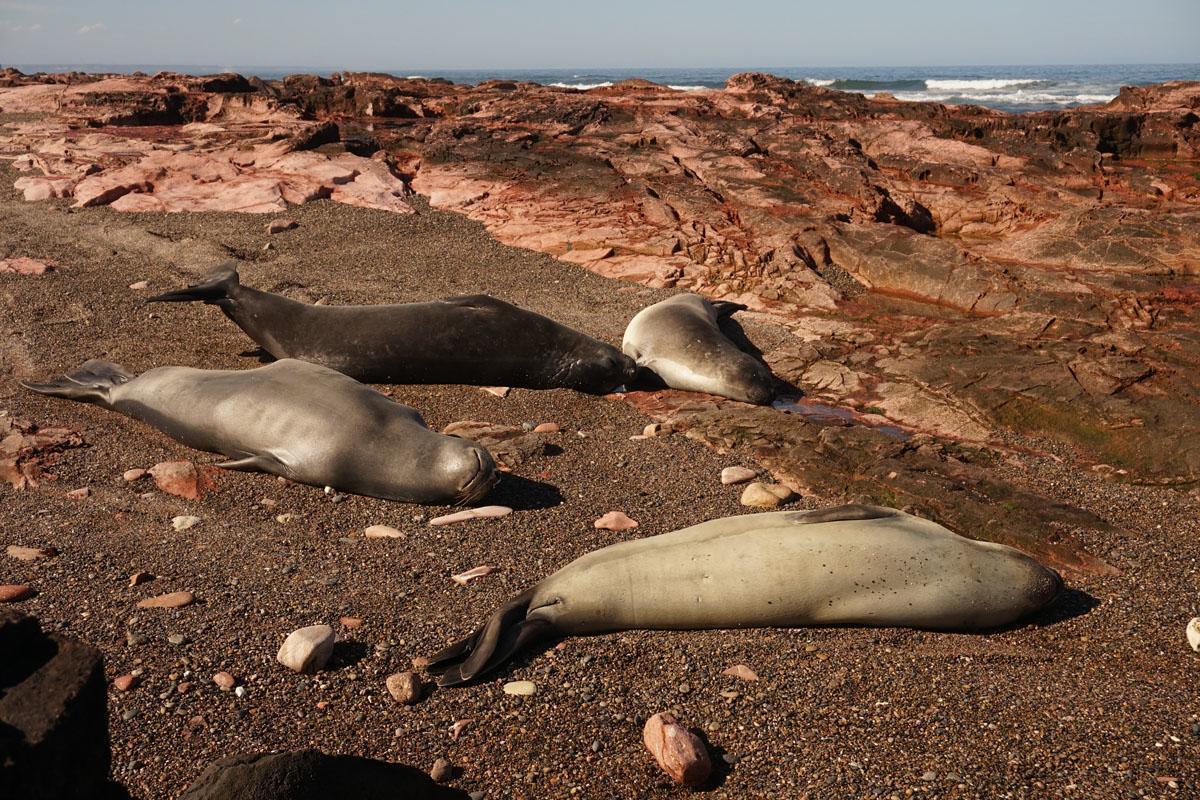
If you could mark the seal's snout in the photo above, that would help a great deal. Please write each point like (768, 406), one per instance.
(1049, 586)
(478, 471)
(603, 369)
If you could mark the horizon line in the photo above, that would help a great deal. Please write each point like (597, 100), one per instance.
(743, 67)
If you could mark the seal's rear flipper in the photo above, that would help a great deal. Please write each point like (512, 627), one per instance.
(90, 383)
(503, 635)
(213, 289)
(726, 309)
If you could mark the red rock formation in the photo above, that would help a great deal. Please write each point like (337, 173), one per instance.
(966, 273)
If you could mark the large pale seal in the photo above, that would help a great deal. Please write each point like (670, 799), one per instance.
(474, 339)
(680, 341)
(851, 565)
(303, 421)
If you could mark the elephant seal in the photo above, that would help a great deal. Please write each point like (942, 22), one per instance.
(303, 421)
(850, 565)
(473, 339)
(681, 342)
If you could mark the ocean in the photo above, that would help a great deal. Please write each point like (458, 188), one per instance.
(1007, 88)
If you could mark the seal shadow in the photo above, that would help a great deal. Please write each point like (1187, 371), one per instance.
(524, 494)
(259, 354)
(1070, 604)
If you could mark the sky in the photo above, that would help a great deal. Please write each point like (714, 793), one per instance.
(399, 36)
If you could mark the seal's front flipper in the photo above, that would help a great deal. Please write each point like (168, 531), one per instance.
(503, 635)
(213, 288)
(852, 512)
(90, 383)
(254, 463)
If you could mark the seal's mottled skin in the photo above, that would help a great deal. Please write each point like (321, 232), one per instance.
(852, 565)
(302, 421)
(680, 341)
(475, 339)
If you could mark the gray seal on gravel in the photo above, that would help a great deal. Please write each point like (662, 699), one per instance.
(680, 341)
(302, 421)
(849, 565)
(474, 339)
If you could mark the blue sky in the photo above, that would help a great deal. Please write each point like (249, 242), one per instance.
(469, 34)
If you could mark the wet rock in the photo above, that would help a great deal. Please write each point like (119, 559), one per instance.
(483, 512)
(306, 650)
(678, 751)
(312, 775)
(615, 521)
(733, 475)
(170, 600)
(765, 495)
(405, 687)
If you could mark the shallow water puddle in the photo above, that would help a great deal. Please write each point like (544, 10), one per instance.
(822, 412)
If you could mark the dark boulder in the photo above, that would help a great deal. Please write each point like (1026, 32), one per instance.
(312, 775)
(53, 715)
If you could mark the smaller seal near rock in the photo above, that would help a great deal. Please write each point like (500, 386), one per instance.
(680, 341)
(291, 418)
(850, 565)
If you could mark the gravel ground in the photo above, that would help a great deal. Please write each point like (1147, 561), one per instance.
(1095, 699)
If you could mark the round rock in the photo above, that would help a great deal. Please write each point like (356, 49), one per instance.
(308, 649)
(404, 687)
(731, 475)
(765, 495)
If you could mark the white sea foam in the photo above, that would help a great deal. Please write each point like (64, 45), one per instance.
(1014, 98)
(819, 81)
(687, 88)
(975, 85)
(416, 78)
(582, 85)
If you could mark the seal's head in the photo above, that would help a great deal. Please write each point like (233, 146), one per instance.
(474, 471)
(451, 470)
(749, 380)
(597, 368)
